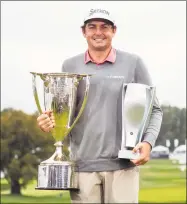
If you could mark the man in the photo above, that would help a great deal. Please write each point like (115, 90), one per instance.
(96, 138)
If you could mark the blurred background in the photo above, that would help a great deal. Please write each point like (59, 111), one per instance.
(39, 36)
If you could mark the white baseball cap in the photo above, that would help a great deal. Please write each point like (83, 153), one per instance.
(99, 14)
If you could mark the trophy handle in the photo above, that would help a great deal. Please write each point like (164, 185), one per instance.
(35, 92)
(124, 88)
(147, 113)
(83, 103)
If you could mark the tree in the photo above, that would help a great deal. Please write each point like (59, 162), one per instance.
(173, 126)
(23, 147)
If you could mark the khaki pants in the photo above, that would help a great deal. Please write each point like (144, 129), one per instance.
(120, 186)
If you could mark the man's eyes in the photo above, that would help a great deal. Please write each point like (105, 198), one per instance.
(105, 26)
(102, 27)
(90, 27)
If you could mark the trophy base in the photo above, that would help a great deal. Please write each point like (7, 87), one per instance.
(127, 154)
(63, 189)
(57, 176)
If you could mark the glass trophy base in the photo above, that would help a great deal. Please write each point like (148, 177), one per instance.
(127, 154)
(57, 176)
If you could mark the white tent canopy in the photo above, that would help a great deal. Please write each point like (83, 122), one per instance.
(160, 148)
(180, 149)
(179, 154)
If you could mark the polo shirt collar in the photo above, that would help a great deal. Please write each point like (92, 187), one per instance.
(110, 58)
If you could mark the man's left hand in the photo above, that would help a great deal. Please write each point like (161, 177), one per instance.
(144, 148)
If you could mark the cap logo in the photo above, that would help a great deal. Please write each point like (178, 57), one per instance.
(92, 11)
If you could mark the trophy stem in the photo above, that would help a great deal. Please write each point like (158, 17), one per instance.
(58, 155)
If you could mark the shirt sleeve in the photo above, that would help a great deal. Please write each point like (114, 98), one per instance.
(142, 76)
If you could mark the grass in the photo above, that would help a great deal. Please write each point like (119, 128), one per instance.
(163, 195)
(160, 182)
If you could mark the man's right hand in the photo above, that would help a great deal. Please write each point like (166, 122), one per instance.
(46, 121)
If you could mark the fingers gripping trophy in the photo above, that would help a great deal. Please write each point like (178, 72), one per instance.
(59, 95)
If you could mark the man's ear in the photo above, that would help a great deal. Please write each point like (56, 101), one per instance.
(115, 29)
(83, 31)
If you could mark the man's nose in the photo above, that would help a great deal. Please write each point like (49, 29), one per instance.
(98, 31)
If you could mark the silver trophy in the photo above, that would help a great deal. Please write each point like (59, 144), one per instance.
(137, 103)
(58, 93)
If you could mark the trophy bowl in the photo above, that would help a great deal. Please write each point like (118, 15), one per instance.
(58, 93)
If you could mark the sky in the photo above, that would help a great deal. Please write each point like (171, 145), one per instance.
(39, 35)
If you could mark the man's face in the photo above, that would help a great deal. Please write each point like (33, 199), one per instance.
(98, 34)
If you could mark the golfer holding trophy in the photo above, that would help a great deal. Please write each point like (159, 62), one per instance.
(115, 123)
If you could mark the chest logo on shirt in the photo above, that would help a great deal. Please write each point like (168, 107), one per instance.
(115, 77)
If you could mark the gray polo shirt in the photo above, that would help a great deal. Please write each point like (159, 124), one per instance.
(96, 138)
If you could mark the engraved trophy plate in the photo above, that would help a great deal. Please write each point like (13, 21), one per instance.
(137, 102)
(57, 177)
(59, 94)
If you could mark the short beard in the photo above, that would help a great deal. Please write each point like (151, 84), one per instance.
(99, 49)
